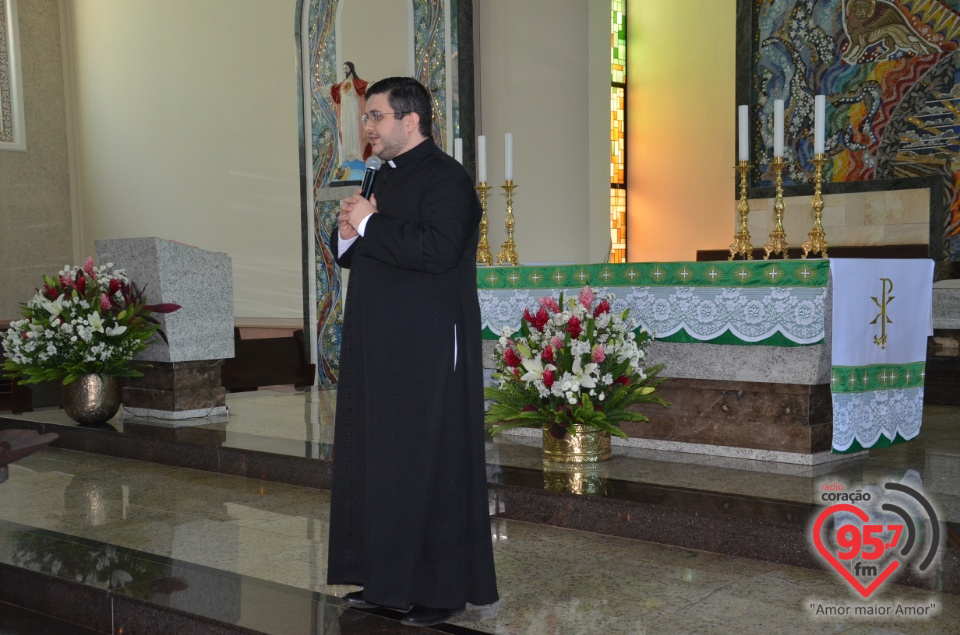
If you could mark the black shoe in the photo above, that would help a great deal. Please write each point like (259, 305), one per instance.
(424, 616)
(355, 600)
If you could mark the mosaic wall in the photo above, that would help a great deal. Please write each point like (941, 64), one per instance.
(430, 70)
(889, 69)
(429, 46)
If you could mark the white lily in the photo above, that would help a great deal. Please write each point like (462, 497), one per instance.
(115, 330)
(584, 374)
(54, 308)
(96, 322)
(535, 369)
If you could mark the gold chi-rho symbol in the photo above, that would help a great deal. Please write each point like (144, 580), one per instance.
(885, 298)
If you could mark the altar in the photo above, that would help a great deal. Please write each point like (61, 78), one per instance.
(748, 350)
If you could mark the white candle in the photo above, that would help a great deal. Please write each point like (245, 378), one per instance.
(508, 156)
(458, 150)
(482, 159)
(778, 128)
(744, 137)
(819, 121)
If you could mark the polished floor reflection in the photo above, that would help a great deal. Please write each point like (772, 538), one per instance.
(299, 424)
(63, 509)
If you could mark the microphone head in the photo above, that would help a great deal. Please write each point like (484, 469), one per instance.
(373, 163)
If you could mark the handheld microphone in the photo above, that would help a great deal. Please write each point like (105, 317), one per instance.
(366, 186)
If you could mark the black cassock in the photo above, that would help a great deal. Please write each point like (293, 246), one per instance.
(409, 517)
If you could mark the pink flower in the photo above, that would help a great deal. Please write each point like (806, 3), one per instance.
(599, 354)
(88, 266)
(603, 307)
(587, 297)
(574, 328)
(114, 285)
(548, 378)
(104, 302)
(556, 342)
(550, 304)
(511, 358)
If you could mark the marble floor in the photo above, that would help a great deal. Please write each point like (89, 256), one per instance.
(113, 521)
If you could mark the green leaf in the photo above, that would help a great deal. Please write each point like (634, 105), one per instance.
(524, 349)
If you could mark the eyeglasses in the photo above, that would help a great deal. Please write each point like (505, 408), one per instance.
(376, 115)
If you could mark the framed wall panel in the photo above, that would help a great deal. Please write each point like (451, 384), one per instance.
(12, 133)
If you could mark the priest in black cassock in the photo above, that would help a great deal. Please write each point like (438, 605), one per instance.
(409, 518)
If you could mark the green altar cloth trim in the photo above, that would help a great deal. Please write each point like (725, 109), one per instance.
(759, 273)
(728, 338)
(882, 442)
(851, 379)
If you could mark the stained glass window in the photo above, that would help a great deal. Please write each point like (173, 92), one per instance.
(618, 131)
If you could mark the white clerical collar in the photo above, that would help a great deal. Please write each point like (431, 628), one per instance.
(391, 163)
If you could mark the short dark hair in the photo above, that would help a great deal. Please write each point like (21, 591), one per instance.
(406, 95)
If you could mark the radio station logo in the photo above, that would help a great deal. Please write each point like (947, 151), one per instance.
(867, 537)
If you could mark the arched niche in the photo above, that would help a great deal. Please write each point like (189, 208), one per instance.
(433, 41)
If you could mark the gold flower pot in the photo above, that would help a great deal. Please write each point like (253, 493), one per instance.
(581, 444)
(92, 398)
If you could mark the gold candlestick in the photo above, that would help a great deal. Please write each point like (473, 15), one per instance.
(818, 240)
(508, 250)
(778, 237)
(741, 240)
(484, 257)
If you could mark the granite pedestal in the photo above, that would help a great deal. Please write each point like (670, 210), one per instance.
(176, 390)
(183, 382)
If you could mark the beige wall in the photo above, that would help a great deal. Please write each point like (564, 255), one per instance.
(533, 77)
(389, 56)
(198, 144)
(681, 127)
(187, 130)
(894, 217)
(35, 218)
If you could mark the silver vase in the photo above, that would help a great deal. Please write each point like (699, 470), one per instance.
(92, 398)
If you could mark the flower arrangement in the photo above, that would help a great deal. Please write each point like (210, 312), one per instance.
(88, 320)
(575, 362)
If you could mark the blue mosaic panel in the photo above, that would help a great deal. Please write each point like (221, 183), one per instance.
(429, 49)
(323, 143)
